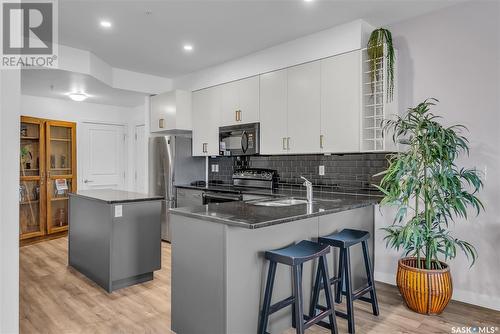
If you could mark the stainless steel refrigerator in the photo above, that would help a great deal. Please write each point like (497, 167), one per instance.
(171, 163)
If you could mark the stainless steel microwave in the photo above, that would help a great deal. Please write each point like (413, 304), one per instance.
(241, 139)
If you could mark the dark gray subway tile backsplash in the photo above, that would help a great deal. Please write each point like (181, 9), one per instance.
(342, 172)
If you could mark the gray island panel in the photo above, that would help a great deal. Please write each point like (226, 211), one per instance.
(115, 249)
(231, 303)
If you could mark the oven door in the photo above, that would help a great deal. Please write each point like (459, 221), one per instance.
(217, 197)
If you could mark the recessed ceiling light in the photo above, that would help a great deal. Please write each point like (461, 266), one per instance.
(105, 24)
(308, 0)
(188, 47)
(78, 97)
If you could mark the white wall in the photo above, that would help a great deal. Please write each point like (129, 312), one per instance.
(336, 40)
(10, 91)
(80, 112)
(453, 55)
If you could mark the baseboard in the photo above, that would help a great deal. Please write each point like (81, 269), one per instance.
(463, 296)
(385, 277)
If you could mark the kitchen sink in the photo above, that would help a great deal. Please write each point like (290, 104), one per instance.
(280, 202)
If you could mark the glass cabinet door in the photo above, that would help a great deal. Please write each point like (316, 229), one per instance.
(61, 173)
(32, 178)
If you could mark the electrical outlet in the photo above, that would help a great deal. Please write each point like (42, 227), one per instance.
(118, 210)
(321, 170)
(215, 168)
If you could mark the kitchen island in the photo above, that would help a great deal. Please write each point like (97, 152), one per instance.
(218, 265)
(114, 236)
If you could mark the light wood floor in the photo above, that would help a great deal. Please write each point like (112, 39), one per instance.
(57, 299)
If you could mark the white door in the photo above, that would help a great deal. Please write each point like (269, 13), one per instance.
(340, 102)
(304, 93)
(230, 103)
(273, 112)
(248, 92)
(103, 156)
(140, 159)
(206, 117)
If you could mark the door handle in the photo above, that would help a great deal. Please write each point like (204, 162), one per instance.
(288, 143)
(205, 147)
(284, 143)
(236, 115)
(321, 141)
(239, 115)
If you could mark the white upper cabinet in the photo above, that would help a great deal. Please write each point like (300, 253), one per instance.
(206, 115)
(341, 103)
(171, 111)
(304, 97)
(273, 112)
(240, 101)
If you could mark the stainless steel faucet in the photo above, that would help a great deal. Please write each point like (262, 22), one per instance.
(309, 187)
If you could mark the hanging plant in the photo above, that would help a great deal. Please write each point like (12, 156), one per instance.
(375, 49)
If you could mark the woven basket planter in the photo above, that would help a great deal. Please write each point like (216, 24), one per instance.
(424, 291)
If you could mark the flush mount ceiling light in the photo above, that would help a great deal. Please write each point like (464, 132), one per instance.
(188, 47)
(308, 0)
(78, 97)
(105, 24)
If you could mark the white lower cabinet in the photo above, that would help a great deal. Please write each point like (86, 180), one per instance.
(340, 103)
(206, 113)
(273, 112)
(304, 97)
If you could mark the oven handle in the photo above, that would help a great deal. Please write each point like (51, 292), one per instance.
(215, 196)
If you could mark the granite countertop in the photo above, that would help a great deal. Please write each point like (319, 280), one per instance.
(281, 191)
(248, 215)
(111, 196)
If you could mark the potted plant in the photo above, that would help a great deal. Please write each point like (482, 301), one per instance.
(380, 46)
(430, 191)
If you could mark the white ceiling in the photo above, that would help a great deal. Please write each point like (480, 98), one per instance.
(219, 30)
(58, 83)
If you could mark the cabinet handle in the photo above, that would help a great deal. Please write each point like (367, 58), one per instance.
(161, 123)
(288, 143)
(239, 112)
(284, 143)
(236, 115)
(205, 147)
(48, 178)
(321, 141)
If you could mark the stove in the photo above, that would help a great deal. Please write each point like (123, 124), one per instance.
(255, 178)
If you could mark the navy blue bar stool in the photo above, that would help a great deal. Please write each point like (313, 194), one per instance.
(295, 256)
(344, 240)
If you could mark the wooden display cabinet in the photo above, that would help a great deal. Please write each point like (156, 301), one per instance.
(48, 174)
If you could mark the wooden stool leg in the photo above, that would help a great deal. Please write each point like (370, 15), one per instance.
(338, 286)
(348, 284)
(328, 293)
(316, 290)
(297, 293)
(369, 274)
(293, 305)
(264, 316)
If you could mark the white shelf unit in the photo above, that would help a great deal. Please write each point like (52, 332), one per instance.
(375, 107)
